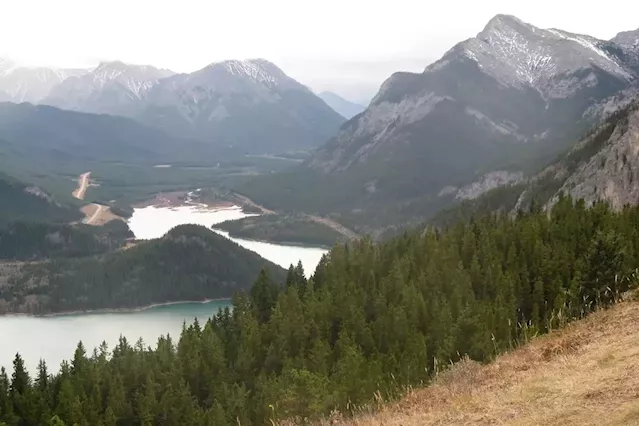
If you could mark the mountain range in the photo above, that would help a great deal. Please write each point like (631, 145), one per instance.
(252, 105)
(492, 111)
(508, 100)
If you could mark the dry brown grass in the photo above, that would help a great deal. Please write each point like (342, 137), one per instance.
(584, 374)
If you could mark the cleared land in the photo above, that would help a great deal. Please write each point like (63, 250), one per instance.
(97, 214)
(83, 184)
(584, 374)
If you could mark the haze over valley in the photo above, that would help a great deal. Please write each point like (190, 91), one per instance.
(305, 235)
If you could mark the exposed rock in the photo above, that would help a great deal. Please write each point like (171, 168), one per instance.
(612, 173)
(488, 182)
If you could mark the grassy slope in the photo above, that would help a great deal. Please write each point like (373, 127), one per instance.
(584, 374)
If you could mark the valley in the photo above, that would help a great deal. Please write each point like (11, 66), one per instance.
(211, 241)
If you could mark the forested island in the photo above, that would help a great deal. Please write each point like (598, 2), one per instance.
(374, 319)
(189, 263)
(283, 228)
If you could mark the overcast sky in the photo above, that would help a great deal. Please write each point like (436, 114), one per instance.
(348, 46)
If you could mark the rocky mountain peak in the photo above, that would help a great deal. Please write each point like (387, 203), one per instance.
(504, 23)
(258, 70)
(627, 38)
(114, 70)
(521, 55)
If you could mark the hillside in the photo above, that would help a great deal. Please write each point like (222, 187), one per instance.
(506, 101)
(601, 166)
(189, 263)
(584, 374)
(19, 200)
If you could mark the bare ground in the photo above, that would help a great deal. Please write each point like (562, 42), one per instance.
(584, 374)
(97, 214)
(83, 184)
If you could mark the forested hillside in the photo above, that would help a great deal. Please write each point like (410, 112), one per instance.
(21, 201)
(189, 263)
(36, 240)
(374, 319)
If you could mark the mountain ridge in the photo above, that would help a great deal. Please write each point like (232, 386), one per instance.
(512, 98)
(250, 104)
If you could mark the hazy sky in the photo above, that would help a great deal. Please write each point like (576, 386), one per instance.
(348, 46)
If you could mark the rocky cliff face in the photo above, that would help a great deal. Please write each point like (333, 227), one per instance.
(611, 174)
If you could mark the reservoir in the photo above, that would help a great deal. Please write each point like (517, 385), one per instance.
(55, 338)
(154, 222)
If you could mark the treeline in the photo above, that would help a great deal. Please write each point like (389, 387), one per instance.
(189, 263)
(372, 320)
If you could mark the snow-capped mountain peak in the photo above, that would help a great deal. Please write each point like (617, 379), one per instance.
(521, 55)
(258, 70)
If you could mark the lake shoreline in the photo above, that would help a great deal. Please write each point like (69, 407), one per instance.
(113, 310)
(277, 242)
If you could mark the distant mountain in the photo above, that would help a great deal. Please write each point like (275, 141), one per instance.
(41, 138)
(511, 98)
(112, 87)
(252, 105)
(340, 105)
(30, 84)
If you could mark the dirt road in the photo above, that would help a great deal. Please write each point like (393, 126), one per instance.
(97, 214)
(83, 184)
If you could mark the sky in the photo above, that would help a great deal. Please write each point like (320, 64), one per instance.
(346, 46)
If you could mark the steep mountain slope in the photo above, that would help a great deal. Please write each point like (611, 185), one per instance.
(250, 104)
(30, 84)
(510, 99)
(601, 166)
(611, 172)
(340, 105)
(111, 87)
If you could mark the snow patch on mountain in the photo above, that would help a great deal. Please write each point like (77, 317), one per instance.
(520, 55)
(251, 68)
